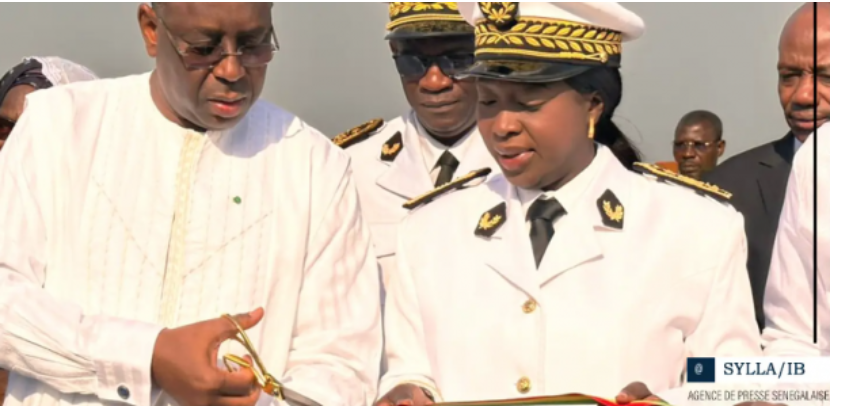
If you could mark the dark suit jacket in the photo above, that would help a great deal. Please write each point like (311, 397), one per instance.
(757, 179)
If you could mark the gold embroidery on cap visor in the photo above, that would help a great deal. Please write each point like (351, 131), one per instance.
(426, 18)
(549, 40)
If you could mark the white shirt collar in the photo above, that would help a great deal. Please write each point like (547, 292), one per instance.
(797, 144)
(570, 194)
(162, 122)
(431, 149)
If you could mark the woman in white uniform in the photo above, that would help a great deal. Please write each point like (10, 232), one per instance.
(568, 273)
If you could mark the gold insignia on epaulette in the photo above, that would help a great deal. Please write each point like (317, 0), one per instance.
(457, 183)
(392, 147)
(357, 134)
(692, 183)
(490, 221)
(611, 210)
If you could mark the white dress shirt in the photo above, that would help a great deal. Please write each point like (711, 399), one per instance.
(789, 294)
(471, 318)
(117, 223)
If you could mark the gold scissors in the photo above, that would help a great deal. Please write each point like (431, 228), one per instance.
(266, 381)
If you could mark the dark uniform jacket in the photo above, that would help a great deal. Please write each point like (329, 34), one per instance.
(757, 179)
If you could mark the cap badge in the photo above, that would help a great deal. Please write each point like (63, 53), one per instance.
(501, 14)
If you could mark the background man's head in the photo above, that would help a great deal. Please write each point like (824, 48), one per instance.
(430, 44)
(28, 76)
(210, 59)
(698, 143)
(798, 70)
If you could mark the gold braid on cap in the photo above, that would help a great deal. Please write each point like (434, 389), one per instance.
(420, 12)
(503, 33)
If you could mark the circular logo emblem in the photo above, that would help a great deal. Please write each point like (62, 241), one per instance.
(699, 368)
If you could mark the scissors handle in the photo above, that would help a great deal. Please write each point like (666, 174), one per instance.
(267, 382)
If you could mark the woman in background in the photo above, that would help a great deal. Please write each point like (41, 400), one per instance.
(24, 78)
(30, 75)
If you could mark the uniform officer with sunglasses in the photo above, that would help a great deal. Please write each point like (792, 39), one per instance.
(436, 141)
(148, 206)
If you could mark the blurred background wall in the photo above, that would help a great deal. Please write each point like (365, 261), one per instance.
(335, 71)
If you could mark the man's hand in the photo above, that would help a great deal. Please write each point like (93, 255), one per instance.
(184, 364)
(406, 395)
(636, 391)
(4, 377)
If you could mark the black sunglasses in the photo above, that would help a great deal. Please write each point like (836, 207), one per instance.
(414, 67)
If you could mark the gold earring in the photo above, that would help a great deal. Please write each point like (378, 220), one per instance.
(592, 132)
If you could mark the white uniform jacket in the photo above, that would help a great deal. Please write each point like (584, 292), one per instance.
(387, 181)
(471, 318)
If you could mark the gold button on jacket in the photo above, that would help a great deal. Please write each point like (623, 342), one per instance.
(529, 306)
(524, 385)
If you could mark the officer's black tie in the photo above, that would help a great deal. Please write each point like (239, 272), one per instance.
(541, 214)
(447, 164)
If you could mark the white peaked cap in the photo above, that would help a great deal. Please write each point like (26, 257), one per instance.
(607, 15)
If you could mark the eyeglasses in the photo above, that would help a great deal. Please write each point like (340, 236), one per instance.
(206, 56)
(6, 127)
(414, 67)
(699, 146)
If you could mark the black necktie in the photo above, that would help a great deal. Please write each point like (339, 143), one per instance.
(541, 214)
(447, 164)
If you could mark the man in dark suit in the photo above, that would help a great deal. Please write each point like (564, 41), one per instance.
(757, 178)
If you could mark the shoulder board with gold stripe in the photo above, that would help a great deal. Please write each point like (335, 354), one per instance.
(357, 134)
(700, 187)
(458, 183)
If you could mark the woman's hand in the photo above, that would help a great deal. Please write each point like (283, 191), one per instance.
(636, 391)
(406, 395)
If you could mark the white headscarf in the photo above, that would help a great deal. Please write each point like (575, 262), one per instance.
(60, 71)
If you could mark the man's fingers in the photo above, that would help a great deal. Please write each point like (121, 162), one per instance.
(245, 321)
(248, 400)
(238, 383)
(632, 392)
